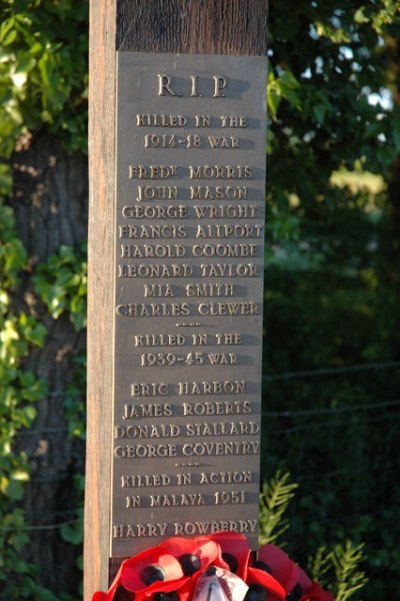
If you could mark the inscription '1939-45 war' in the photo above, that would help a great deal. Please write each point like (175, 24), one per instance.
(189, 247)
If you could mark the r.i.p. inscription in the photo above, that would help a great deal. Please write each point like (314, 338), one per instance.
(188, 313)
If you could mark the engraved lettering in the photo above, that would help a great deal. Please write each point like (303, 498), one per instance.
(214, 387)
(220, 172)
(147, 120)
(217, 408)
(138, 530)
(176, 500)
(205, 527)
(157, 192)
(218, 193)
(200, 449)
(202, 120)
(157, 270)
(152, 231)
(157, 290)
(184, 479)
(222, 358)
(229, 338)
(132, 502)
(147, 431)
(225, 230)
(234, 308)
(233, 121)
(154, 212)
(153, 310)
(223, 142)
(147, 480)
(199, 339)
(194, 86)
(147, 410)
(151, 251)
(200, 290)
(160, 141)
(223, 429)
(189, 229)
(153, 389)
(219, 84)
(226, 477)
(233, 497)
(145, 450)
(224, 250)
(152, 171)
(223, 270)
(164, 85)
(159, 340)
(225, 211)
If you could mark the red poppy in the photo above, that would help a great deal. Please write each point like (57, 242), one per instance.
(195, 555)
(100, 596)
(152, 571)
(234, 553)
(109, 596)
(176, 564)
(317, 593)
(192, 553)
(286, 572)
(259, 577)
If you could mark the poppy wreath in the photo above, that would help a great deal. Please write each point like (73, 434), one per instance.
(217, 567)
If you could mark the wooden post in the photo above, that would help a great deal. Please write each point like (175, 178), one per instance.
(226, 27)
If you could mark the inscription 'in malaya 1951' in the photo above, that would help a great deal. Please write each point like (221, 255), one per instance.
(189, 247)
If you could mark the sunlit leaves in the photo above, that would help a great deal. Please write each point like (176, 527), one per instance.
(284, 86)
(346, 560)
(42, 79)
(61, 283)
(274, 501)
(43, 82)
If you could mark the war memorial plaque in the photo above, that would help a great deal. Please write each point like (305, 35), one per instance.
(189, 233)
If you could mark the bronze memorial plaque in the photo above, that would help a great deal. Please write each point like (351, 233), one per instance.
(190, 196)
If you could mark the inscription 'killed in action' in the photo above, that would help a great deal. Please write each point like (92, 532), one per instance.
(189, 248)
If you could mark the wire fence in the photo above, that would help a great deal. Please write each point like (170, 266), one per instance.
(325, 418)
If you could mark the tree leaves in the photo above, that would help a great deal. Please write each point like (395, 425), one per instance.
(61, 283)
(274, 501)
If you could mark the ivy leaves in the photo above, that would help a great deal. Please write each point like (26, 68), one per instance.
(61, 283)
(43, 78)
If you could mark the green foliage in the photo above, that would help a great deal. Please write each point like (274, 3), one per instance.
(43, 83)
(283, 86)
(43, 70)
(332, 275)
(341, 566)
(325, 66)
(18, 578)
(61, 283)
(337, 569)
(319, 565)
(12, 253)
(346, 559)
(74, 401)
(331, 414)
(19, 390)
(274, 501)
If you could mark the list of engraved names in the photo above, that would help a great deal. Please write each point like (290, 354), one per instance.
(190, 179)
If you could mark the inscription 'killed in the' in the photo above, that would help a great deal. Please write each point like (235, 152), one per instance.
(189, 248)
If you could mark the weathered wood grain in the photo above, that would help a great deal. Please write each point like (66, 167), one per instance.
(193, 26)
(185, 26)
(101, 292)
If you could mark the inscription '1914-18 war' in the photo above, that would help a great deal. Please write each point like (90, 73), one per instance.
(189, 246)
